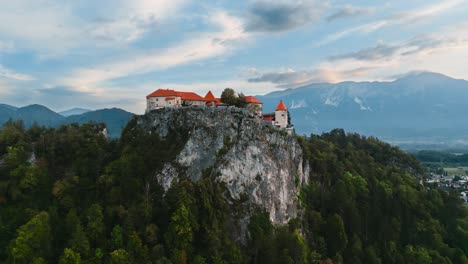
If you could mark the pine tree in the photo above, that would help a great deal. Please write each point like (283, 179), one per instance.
(33, 240)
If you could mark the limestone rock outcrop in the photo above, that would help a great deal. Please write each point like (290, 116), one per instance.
(259, 164)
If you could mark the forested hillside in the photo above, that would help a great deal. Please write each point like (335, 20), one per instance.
(69, 195)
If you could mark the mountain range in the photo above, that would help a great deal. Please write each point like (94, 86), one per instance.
(420, 108)
(115, 119)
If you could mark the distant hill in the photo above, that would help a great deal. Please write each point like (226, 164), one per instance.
(6, 112)
(423, 108)
(74, 111)
(115, 119)
(39, 114)
(30, 114)
(10, 107)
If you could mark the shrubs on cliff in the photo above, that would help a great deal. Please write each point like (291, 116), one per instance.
(84, 199)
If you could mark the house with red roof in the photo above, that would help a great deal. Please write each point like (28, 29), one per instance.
(162, 98)
(254, 105)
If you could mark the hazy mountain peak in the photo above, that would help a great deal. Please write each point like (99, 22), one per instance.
(34, 106)
(425, 76)
(9, 107)
(417, 107)
(74, 111)
(114, 118)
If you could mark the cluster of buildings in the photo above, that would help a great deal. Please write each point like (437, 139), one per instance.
(448, 182)
(164, 98)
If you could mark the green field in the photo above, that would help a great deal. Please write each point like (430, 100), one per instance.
(456, 170)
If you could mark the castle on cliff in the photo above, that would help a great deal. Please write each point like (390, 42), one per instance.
(164, 98)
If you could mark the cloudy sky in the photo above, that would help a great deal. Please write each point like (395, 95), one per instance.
(112, 53)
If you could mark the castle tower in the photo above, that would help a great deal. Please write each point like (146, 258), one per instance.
(210, 99)
(281, 115)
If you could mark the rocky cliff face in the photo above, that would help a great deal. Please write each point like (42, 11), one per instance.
(261, 166)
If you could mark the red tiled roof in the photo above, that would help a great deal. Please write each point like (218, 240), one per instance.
(162, 93)
(209, 96)
(252, 100)
(281, 107)
(184, 95)
(189, 96)
(268, 118)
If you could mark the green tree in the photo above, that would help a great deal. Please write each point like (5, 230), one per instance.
(335, 234)
(285, 257)
(241, 101)
(70, 257)
(119, 256)
(33, 240)
(417, 255)
(137, 251)
(183, 218)
(151, 234)
(95, 227)
(180, 230)
(11, 134)
(370, 256)
(117, 237)
(79, 241)
(228, 96)
(72, 221)
(15, 156)
(32, 178)
(261, 236)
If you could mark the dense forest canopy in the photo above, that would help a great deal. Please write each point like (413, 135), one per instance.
(69, 195)
(441, 157)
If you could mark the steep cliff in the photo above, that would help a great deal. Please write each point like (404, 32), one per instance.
(261, 166)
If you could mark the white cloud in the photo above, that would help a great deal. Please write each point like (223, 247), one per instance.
(404, 18)
(130, 20)
(218, 87)
(324, 72)
(54, 27)
(10, 74)
(198, 47)
(149, 9)
(38, 25)
(438, 52)
(3, 87)
(122, 30)
(349, 11)
(391, 59)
